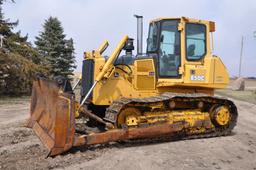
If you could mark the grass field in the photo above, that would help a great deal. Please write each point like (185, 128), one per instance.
(247, 95)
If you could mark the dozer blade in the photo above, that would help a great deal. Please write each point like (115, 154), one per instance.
(52, 116)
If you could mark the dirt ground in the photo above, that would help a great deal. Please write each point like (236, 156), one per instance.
(21, 149)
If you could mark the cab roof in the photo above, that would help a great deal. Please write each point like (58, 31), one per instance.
(187, 19)
(179, 18)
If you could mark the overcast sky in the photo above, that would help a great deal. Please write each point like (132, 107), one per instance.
(91, 22)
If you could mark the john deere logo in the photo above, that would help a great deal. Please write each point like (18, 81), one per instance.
(151, 73)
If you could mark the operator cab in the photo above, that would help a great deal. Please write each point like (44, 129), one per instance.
(165, 42)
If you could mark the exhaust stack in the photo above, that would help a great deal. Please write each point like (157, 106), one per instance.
(139, 34)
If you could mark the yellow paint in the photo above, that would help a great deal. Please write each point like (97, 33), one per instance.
(132, 117)
(144, 74)
(113, 56)
(223, 116)
(129, 117)
(131, 120)
(196, 76)
(103, 46)
(77, 106)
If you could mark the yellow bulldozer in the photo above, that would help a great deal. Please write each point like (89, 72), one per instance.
(166, 91)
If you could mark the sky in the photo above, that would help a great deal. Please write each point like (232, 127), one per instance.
(90, 22)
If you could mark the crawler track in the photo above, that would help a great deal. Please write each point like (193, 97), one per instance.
(114, 110)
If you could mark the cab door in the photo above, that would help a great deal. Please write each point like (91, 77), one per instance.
(196, 50)
(169, 50)
(169, 53)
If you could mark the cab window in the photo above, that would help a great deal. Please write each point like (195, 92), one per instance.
(152, 38)
(195, 41)
(169, 50)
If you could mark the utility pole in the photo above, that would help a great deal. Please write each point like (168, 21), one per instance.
(241, 56)
(1, 40)
(254, 34)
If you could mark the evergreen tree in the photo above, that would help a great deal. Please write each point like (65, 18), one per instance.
(14, 42)
(69, 57)
(19, 61)
(5, 25)
(58, 52)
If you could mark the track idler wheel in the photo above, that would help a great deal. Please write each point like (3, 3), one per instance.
(128, 117)
(221, 116)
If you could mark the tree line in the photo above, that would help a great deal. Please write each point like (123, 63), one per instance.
(20, 61)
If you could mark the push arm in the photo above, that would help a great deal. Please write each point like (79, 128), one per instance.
(107, 66)
(112, 58)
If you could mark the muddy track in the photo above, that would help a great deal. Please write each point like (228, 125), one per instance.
(114, 110)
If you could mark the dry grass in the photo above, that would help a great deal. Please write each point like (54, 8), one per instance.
(13, 100)
(247, 95)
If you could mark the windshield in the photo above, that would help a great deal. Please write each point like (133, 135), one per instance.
(152, 38)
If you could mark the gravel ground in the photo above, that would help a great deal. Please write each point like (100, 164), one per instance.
(21, 149)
